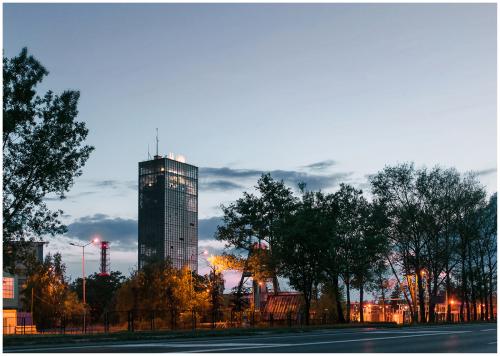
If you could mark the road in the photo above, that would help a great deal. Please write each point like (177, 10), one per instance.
(449, 338)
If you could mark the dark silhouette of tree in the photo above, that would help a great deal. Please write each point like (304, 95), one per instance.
(302, 240)
(252, 219)
(351, 222)
(43, 151)
(100, 292)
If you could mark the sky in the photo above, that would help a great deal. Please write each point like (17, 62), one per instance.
(321, 93)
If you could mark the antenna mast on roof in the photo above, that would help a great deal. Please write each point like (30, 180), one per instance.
(149, 155)
(157, 157)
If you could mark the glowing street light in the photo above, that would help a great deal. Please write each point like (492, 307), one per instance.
(95, 240)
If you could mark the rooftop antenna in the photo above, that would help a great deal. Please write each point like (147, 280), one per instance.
(157, 141)
(149, 155)
(157, 157)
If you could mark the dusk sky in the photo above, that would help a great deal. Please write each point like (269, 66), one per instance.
(323, 93)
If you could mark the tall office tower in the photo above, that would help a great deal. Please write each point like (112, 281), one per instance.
(168, 211)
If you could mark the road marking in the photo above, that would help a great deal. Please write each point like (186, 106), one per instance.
(491, 343)
(410, 332)
(488, 330)
(327, 342)
(198, 343)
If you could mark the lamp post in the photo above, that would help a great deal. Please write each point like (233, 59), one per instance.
(95, 240)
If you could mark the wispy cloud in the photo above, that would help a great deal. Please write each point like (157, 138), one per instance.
(70, 196)
(321, 166)
(219, 185)
(313, 181)
(485, 172)
(113, 184)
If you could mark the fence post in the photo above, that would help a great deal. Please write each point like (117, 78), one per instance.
(152, 316)
(131, 321)
(271, 320)
(106, 326)
(289, 319)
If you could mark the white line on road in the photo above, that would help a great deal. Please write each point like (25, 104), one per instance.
(489, 330)
(328, 342)
(491, 343)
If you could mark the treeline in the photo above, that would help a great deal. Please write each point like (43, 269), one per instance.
(432, 231)
(174, 295)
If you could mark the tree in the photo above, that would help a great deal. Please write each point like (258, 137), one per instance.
(43, 151)
(161, 288)
(100, 291)
(334, 258)
(437, 190)
(489, 235)
(47, 294)
(470, 199)
(302, 239)
(349, 231)
(368, 251)
(252, 220)
(394, 188)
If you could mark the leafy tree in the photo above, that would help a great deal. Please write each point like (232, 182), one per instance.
(437, 189)
(394, 188)
(351, 222)
(100, 291)
(303, 239)
(48, 295)
(368, 251)
(489, 242)
(471, 198)
(164, 289)
(252, 220)
(43, 151)
(215, 293)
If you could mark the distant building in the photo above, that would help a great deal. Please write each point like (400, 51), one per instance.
(168, 212)
(14, 307)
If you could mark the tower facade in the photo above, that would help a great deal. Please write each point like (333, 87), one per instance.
(168, 212)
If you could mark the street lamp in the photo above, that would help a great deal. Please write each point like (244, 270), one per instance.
(95, 240)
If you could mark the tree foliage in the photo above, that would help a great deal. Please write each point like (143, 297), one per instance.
(43, 150)
(431, 228)
(47, 293)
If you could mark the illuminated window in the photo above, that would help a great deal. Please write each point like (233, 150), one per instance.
(8, 287)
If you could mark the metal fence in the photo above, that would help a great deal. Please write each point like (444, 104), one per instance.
(159, 320)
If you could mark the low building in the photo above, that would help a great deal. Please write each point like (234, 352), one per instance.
(15, 316)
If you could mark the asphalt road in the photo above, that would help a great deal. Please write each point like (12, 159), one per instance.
(450, 338)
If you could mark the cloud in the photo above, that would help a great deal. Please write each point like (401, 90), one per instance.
(113, 184)
(485, 172)
(122, 232)
(313, 181)
(320, 166)
(226, 172)
(70, 196)
(208, 227)
(220, 185)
